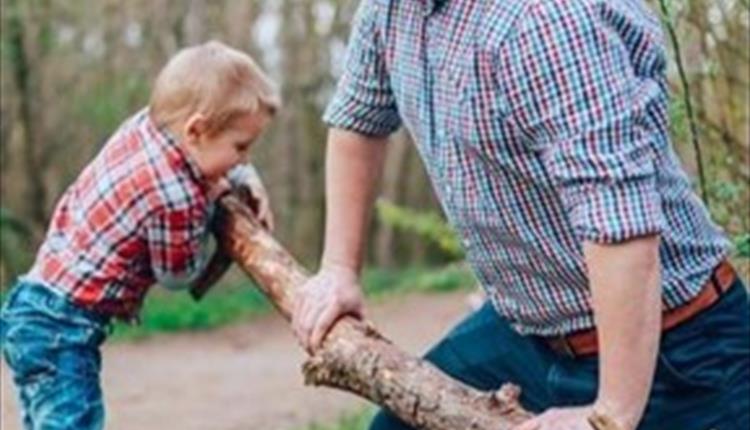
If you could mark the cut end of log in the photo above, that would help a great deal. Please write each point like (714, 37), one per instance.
(508, 393)
(506, 400)
(315, 371)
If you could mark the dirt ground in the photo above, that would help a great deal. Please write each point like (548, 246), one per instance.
(246, 376)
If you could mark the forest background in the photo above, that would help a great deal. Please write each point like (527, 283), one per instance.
(72, 70)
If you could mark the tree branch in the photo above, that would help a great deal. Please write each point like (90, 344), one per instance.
(667, 17)
(354, 357)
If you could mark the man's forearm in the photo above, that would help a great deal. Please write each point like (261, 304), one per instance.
(626, 289)
(354, 163)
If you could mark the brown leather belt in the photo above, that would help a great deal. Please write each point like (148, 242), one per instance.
(585, 343)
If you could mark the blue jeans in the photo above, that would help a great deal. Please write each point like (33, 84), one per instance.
(52, 347)
(702, 378)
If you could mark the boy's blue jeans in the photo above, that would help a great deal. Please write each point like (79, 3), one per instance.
(702, 380)
(52, 347)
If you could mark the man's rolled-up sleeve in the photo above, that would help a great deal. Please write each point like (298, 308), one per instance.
(575, 97)
(363, 101)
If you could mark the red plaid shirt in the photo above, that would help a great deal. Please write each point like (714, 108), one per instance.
(137, 214)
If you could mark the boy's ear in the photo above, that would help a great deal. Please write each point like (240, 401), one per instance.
(195, 127)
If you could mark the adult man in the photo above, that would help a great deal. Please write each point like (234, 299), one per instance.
(543, 128)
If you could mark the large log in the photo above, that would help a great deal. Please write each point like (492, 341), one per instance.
(355, 357)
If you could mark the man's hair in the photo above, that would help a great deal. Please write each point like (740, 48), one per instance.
(215, 80)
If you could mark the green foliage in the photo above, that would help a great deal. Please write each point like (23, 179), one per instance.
(427, 225)
(108, 103)
(11, 21)
(380, 282)
(351, 421)
(679, 128)
(742, 245)
(729, 202)
(165, 311)
(15, 234)
(727, 194)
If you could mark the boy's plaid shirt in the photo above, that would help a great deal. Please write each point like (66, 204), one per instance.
(137, 213)
(542, 124)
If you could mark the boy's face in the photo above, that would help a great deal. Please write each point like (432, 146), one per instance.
(217, 152)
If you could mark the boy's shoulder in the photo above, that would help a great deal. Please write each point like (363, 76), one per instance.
(146, 166)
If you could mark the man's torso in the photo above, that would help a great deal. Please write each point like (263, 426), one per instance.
(442, 65)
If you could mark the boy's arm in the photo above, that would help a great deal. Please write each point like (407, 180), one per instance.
(179, 242)
(218, 265)
(245, 180)
(179, 248)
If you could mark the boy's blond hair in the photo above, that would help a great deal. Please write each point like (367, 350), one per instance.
(214, 80)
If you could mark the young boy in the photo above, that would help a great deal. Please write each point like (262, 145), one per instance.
(139, 213)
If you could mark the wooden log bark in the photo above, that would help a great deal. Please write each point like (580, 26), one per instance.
(355, 357)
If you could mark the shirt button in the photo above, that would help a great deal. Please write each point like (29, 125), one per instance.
(448, 189)
(467, 243)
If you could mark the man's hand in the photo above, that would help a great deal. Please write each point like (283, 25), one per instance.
(560, 419)
(567, 419)
(332, 293)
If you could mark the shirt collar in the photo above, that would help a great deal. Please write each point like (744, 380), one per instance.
(177, 155)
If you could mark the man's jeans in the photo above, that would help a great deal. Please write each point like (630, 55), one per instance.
(52, 347)
(702, 379)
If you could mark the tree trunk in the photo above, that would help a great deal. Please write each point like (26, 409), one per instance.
(393, 188)
(355, 357)
(194, 23)
(23, 40)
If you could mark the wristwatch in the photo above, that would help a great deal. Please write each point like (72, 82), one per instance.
(600, 421)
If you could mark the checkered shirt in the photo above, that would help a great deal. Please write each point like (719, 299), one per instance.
(137, 213)
(542, 124)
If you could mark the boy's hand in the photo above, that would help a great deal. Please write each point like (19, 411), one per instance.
(247, 182)
(332, 293)
(218, 188)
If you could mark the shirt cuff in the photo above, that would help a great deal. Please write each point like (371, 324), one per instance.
(614, 212)
(241, 175)
(348, 112)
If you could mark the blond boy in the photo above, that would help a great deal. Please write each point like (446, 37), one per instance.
(139, 213)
